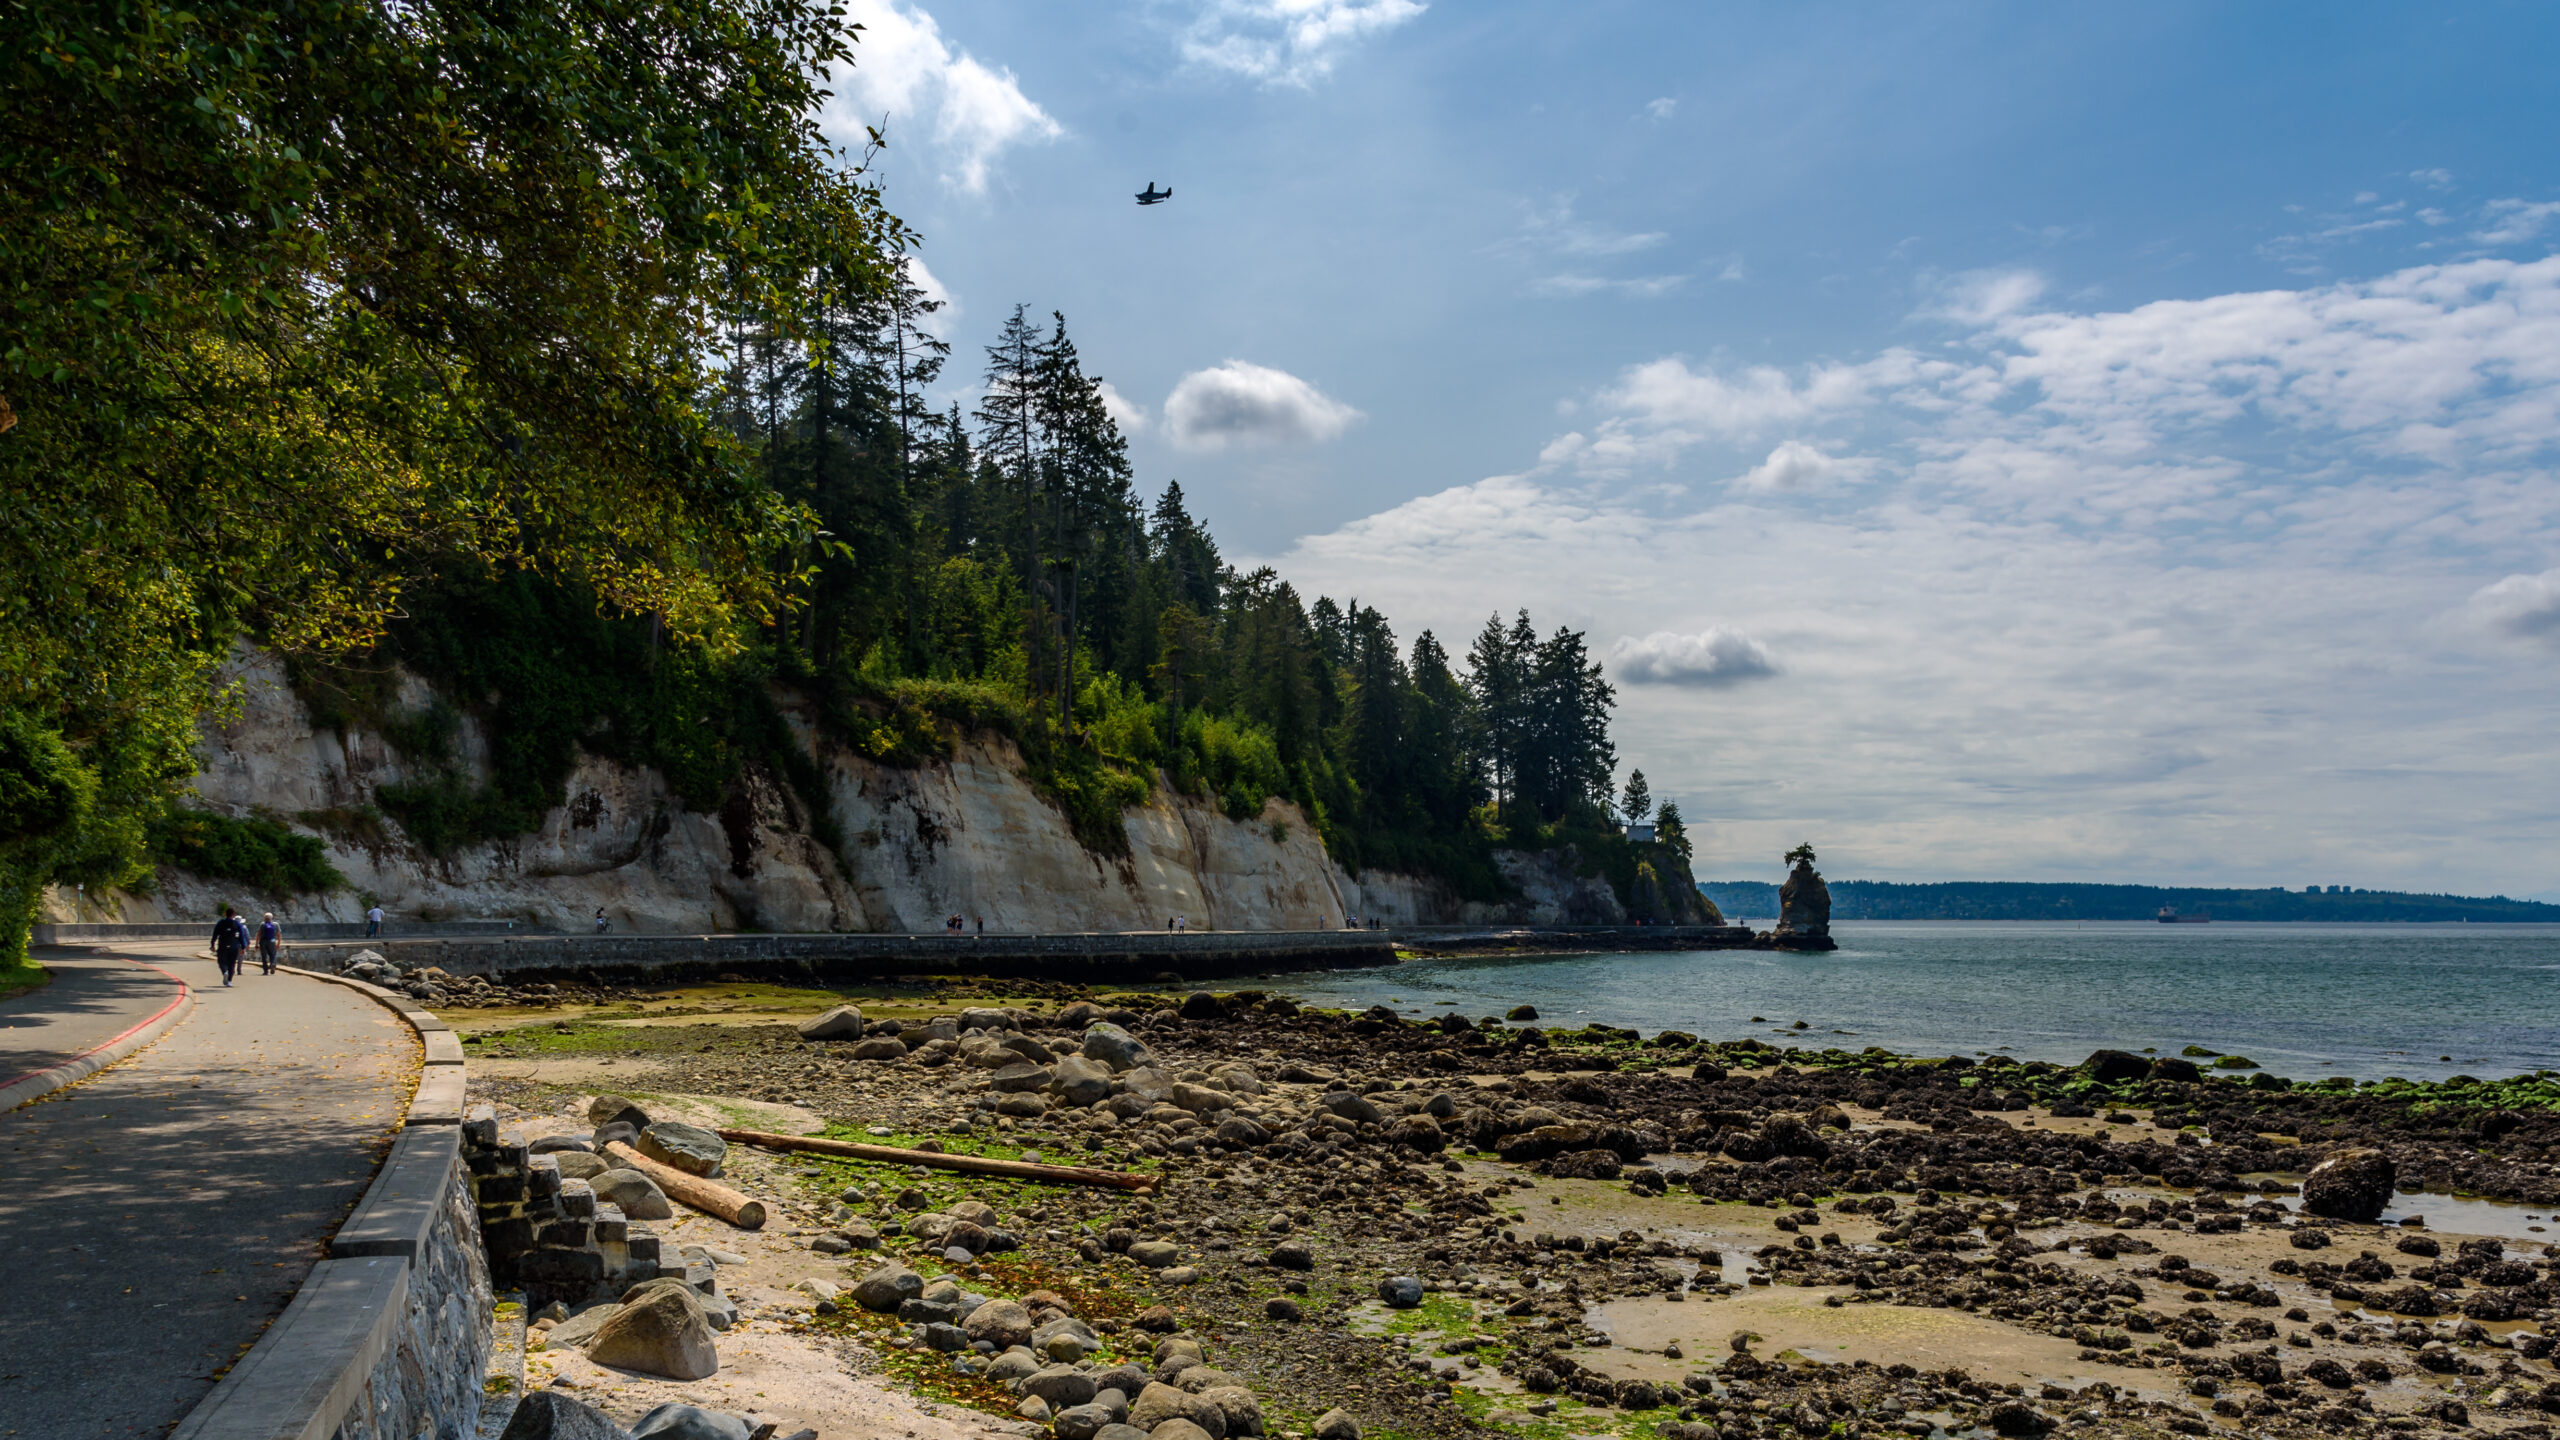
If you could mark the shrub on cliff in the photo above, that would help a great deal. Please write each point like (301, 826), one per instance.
(257, 852)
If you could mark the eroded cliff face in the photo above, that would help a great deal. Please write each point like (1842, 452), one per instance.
(969, 836)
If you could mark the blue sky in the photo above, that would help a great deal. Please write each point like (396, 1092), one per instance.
(1989, 441)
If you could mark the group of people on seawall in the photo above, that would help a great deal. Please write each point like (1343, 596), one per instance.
(231, 942)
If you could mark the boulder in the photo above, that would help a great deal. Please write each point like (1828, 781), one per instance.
(1079, 1015)
(559, 1145)
(574, 1332)
(1079, 1081)
(607, 1109)
(1021, 1077)
(1400, 1292)
(1238, 1133)
(1335, 1425)
(2170, 1067)
(1358, 1109)
(1804, 905)
(879, 1047)
(689, 1148)
(884, 1289)
(1181, 1428)
(1115, 1047)
(550, 1415)
(638, 1196)
(1201, 1005)
(622, 1131)
(1160, 1405)
(1063, 1386)
(1023, 1106)
(1200, 1099)
(2018, 1418)
(662, 1333)
(842, 1023)
(2350, 1185)
(1004, 1324)
(1516, 1012)
(981, 1017)
(1584, 1165)
(1292, 1255)
(1155, 1254)
(2113, 1067)
(581, 1164)
(1080, 1422)
(1148, 1083)
(1236, 1403)
(678, 1421)
(1419, 1132)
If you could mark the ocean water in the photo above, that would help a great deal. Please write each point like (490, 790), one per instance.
(2304, 1001)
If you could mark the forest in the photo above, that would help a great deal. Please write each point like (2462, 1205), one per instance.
(1000, 571)
(602, 402)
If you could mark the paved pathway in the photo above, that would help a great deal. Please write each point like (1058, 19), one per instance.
(92, 1000)
(158, 1215)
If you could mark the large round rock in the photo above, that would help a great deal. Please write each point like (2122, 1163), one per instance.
(842, 1023)
(689, 1148)
(637, 1194)
(662, 1333)
(884, 1289)
(2351, 1185)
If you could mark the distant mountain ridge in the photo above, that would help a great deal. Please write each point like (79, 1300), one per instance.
(2030, 900)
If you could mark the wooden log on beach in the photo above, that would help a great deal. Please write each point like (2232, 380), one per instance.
(973, 1164)
(708, 1196)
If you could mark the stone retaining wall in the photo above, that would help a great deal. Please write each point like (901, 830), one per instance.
(389, 1337)
(1088, 959)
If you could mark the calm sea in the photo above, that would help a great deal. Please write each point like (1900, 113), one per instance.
(2420, 1001)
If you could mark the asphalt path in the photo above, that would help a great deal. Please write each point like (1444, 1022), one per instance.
(160, 1214)
(93, 999)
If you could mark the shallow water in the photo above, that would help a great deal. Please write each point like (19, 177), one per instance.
(2305, 1001)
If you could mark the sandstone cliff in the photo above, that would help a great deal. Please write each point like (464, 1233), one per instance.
(969, 835)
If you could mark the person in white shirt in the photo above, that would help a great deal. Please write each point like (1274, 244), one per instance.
(373, 922)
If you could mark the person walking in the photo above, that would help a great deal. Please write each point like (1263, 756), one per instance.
(601, 922)
(270, 939)
(230, 941)
(373, 922)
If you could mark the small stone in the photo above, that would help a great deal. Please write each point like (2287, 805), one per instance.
(946, 1337)
(1063, 1386)
(884, 1289)
(1281, 1307)
(1033, 1409)
(1081, 1422)
(1400, 1292)
(879, 1047)
(615, 1109)
(1002, 1323)
(1155, 1254)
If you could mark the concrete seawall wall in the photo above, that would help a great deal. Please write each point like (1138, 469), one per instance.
(389, 1337)
(1090, 959)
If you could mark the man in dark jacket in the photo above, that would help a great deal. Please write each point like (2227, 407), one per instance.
(230, 942)
(270, 940)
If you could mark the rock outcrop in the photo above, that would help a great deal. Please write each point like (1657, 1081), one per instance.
(1804, 911)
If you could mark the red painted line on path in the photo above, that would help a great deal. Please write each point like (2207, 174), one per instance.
(103, 1044)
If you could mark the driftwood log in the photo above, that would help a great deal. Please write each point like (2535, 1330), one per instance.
(973, 1164)
(708, 1196)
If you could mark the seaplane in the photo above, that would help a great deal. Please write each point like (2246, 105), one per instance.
(1153, 196)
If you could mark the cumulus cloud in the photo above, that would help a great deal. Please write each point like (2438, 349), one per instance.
(1661, 109)
(1712, 658)
(952, 106)
(2434, 178)
(2525, 606)
(1554, 228)
(1637, 287)
(2108, 579)
(1287, 42)
(1240, 403)
(2512, 222)
(1126, 413)
(1795, 465)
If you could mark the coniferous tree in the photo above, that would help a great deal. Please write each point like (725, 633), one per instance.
(1638, 801)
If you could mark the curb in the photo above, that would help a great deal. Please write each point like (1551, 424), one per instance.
(36, 1084)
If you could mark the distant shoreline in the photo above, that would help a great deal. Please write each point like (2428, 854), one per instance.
(1978, 900)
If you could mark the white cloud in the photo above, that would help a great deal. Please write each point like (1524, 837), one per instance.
(2512, 222)
(2436, 178)
(944, 101)
(2525, 606)
(1978, 297)
(2150, 593)
(1571, 285)
(1712, 658)
(1554, 228)
(1661, 109)
(1795, 465)
(948, 305)
(1287, 42)
(1126, 413)
(1240, 403)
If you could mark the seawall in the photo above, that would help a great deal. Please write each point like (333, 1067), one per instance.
(390, 1335)
(1099, 959)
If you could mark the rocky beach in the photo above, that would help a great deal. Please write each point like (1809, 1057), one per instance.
(1357, 1225)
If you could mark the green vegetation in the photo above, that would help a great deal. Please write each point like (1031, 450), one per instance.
(306, 303)
(2005, 900)
(258, 852)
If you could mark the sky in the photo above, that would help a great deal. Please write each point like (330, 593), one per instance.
(1987, 441)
